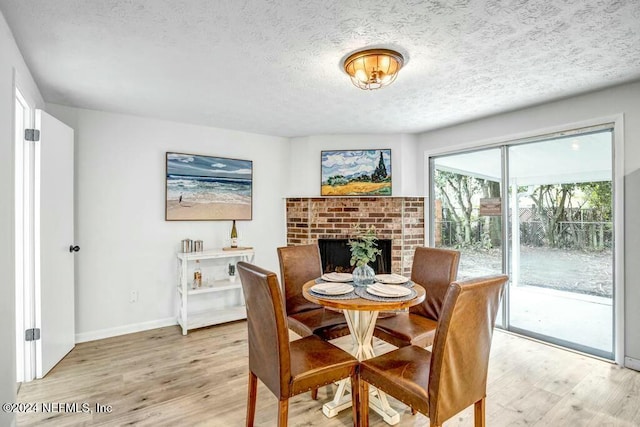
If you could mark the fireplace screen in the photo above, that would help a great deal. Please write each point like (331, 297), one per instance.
(335, 255)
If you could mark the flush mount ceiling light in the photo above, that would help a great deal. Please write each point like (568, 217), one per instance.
(373, 68)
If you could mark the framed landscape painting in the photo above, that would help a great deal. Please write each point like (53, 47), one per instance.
(206, 188)
(356, 173)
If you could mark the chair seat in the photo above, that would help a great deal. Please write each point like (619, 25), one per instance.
(406, 329)
(402, 373)
(327, 324)
(315, 362)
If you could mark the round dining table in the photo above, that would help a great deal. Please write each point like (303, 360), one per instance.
(361, 315)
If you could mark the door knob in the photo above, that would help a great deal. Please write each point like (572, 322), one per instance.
(74, 248)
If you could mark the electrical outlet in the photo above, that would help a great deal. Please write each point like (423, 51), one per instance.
(133, 296)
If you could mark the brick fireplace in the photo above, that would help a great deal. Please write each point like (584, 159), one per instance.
(400, 219)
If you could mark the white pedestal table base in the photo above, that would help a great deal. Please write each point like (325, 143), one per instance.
(361, 325)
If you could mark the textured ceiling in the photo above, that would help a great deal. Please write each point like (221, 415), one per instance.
(274, 66)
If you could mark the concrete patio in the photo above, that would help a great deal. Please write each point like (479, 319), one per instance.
(579, 318)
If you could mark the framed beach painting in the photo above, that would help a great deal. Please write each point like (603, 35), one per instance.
(356, 173)
(207, 188)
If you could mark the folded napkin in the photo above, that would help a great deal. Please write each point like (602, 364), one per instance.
(332, 288)
(337, 277)
(391, 278)
(386, 290)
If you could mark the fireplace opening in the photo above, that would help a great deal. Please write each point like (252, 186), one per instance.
(336, 254)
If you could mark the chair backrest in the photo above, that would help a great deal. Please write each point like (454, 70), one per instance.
(269, 353)
(434, 269)
(460, 354)
(298, 265)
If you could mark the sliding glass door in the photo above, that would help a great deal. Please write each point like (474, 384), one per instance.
(540, 211)
(467, 211)
(561, 288)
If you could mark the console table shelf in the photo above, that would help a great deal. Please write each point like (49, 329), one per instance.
(213, 264)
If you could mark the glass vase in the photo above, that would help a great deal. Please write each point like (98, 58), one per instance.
(363, 276)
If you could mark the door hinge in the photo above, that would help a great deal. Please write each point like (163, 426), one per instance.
(32, 334)
(32, 135)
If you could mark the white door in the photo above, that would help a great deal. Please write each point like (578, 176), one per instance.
(54, 259)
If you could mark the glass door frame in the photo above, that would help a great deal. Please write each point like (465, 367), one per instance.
(502, 322)
(615, 123)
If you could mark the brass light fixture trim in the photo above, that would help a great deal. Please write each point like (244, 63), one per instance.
(373, 68)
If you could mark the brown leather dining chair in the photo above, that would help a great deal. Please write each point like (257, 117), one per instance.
(298, 265)
(286, 368)
(434, 269)
(442, 382)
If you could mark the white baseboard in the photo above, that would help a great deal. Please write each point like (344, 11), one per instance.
(123, 330)
(632, 363)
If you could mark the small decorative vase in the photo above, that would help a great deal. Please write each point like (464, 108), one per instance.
(363, 276)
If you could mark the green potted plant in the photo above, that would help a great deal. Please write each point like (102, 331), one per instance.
(363, 251)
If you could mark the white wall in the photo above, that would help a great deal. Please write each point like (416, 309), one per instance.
(125, 242)
(624, 99)
(305, 177)
(11, 64)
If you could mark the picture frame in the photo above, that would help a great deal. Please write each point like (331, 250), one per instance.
(207, 188)
(356, 173)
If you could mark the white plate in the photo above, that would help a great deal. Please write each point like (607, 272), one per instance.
(337, 277)
(394, 279)
(388, 291)
(332, 288)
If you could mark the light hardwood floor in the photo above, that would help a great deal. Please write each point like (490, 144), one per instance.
(161, 378)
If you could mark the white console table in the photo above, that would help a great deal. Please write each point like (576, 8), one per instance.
(213, 264)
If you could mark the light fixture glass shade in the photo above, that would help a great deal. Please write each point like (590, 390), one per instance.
(373, 68)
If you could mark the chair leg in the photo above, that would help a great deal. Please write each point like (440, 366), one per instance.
(479, 413)
(364, 403)
(355, 399)
(251, 398)
(314, 394)
(283, 413)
